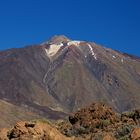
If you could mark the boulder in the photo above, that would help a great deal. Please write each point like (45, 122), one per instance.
(135, 135)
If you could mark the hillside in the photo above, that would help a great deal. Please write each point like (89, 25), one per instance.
(60, 76)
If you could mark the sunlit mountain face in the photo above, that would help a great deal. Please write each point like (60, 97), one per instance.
(61, 75)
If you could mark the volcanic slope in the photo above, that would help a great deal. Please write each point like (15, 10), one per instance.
(62, 75)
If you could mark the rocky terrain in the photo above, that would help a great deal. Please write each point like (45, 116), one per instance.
(99, 120)
(95, 122)
(60, 76)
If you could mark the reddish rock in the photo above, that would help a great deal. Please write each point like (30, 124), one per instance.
(135, 135)
(108, 137)
(94, 115)
(34, 131)
(3, 134)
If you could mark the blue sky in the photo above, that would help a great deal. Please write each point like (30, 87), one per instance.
(112, 23)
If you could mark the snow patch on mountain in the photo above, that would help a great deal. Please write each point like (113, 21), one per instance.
(53, 49)
(92, 52)
(122, 60)
(76, 43)
(114, 56)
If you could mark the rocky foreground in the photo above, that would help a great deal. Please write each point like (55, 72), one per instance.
(96, 122)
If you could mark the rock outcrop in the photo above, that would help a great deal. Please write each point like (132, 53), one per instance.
(135, 134)
(32, 131)
(99, 121)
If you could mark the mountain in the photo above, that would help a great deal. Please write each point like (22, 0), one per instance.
(62, 75)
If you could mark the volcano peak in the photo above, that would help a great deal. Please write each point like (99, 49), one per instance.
(59, 38)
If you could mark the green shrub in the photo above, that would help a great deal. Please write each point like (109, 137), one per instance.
(105, 123)
(124, 138)
(123, 132)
